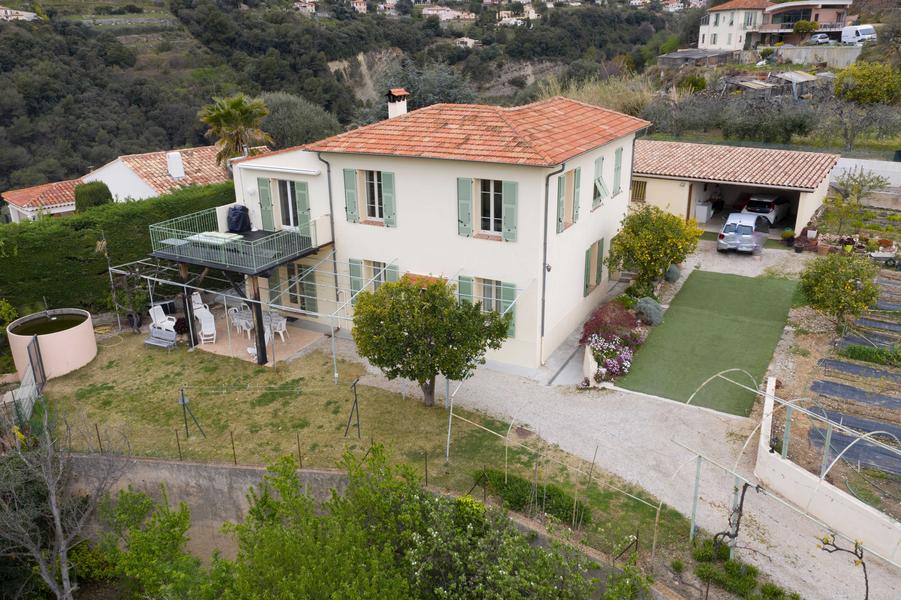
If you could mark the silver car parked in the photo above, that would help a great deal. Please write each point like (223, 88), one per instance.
(743, 232)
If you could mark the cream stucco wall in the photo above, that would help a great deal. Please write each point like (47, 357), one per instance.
(730, 29)
(123, 183)
(425, 240)
(809, 202)
(670, 195)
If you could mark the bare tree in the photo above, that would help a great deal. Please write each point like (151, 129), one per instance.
(43, 513)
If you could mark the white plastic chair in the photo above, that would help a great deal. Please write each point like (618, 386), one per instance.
(240, 323)
(207, 326)
(197, 302)
(267, 336)
(160, 319)
(280, 326)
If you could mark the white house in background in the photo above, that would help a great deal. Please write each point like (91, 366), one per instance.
(515, 206)
(129, 177)
(743, 24)
(445, 13)
(9, 14)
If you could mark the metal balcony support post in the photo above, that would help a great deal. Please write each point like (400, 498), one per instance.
(258, 324)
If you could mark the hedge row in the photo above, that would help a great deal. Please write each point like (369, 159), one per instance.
(58, 258)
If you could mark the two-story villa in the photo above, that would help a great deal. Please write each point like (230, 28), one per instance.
(515, 206)
(743, 24)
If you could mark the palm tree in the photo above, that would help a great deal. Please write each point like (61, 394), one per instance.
(235, 123)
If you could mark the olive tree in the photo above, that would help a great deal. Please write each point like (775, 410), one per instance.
(650, 241)
(844, 206)
(840, 285)
(293, 120)
(417, 329)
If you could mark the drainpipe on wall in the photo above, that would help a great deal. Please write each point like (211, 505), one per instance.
(331, 218)
(544, 265)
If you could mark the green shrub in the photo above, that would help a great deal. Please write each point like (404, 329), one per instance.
(516, 493)
(91, 194)
(766, 52)
(880, 356)
(59, 258)
(703, 552)
(650, 311)
(626, 300)
(678, 566)
(92, 564)
(771, 591)
(693, 83)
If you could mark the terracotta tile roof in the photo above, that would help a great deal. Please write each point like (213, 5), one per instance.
(540, 134)
(200, 168)
(731, 164)
(47, 195)
(742, 4)
(399, 92)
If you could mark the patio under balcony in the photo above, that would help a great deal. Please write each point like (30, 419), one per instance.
(202, 238)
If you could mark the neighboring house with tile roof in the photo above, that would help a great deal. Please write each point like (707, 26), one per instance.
(743, 24)
(689, 179)
(516, 206)
(129, 177)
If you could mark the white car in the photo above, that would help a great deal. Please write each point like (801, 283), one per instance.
(818, 39)
(774, 208)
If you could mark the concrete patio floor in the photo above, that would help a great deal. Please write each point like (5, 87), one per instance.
(234, 343)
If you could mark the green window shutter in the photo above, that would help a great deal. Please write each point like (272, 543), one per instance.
(587, 286)
(464, 289)
(599, 271)
(266, 217)
(600, 188)
(577, 176)
(508, 296)
(389, 201)
(308, 289)
(618, 171)
(302, 206)
(510, 192)
(356, 276)
(464, 206)
(561, 203)
(350, 196)
(273, 281)
(392, 273)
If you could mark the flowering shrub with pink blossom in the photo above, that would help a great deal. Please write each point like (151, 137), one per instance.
(613, 355)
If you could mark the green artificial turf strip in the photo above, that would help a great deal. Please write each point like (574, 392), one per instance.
(716, 322)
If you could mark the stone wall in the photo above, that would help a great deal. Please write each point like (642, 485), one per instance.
(215, 493)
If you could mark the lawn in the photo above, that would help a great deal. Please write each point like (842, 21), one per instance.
(131, 393)
(715, 322)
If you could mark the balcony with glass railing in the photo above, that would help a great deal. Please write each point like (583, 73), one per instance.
(202, 238)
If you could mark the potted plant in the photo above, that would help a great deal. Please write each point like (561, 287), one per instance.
(788, 236)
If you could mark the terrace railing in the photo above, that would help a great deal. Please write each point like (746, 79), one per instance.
(198, 238)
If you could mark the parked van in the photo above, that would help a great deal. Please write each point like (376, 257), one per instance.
(857, 34)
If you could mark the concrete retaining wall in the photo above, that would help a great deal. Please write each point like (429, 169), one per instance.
(215, 493)
(836, 57)
(822, 500)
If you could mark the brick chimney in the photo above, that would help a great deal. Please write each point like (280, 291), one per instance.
(397, 102)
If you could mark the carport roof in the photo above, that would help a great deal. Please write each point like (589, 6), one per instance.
(733, 164)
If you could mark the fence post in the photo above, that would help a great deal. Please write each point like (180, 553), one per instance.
(694, 500)
(178, 443)
(299, 455)
(234, 453)
(656, 523)
(99, 442)
(786, 436)
(736, 494)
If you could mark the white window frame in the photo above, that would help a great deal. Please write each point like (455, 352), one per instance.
(495, 205)
(296, 293)
(286, 199)
(376, 271)
(373, 196)
(639, 190)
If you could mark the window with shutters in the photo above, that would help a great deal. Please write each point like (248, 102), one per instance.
(493, 296)
(491, 195)
(490, 294)
(639, 190)
(599, 189)
(618, 171)
(369, 197)
(375, 205)
(713, 38)
(568, 198)
(487, 209)
(594, 266)
(376, 272)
